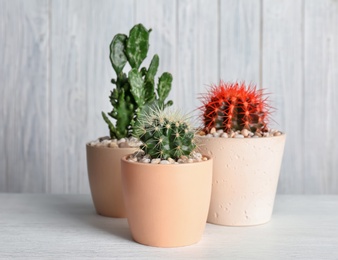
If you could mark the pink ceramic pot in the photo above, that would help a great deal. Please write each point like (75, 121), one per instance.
(245, 177)
(167, 205)
(104, 172)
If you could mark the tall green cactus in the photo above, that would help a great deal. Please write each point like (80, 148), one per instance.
(164, 134)
(137, 88)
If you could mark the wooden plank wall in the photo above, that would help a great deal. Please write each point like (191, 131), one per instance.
(24, 95)
(55, 78)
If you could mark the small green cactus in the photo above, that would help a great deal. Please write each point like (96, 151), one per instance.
(137, 88)
(165, 134)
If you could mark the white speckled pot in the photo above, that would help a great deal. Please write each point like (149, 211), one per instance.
(245, 177)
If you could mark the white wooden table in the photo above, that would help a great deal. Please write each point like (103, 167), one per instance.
(67, 227)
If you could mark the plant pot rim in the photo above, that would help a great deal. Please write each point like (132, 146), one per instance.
(246, 139)
(124, 158)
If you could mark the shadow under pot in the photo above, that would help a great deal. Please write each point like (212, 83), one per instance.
(104, 173)
(245, 178)
(167, 205)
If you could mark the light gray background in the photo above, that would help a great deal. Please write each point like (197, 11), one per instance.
(55, 78)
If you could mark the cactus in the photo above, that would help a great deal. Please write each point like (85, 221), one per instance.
(137, 88)
(165, 134)
(234, 106)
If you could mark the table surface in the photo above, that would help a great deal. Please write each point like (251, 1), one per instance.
(66, 227)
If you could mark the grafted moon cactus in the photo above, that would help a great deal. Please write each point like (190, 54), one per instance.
(165, 134)
(234, 106)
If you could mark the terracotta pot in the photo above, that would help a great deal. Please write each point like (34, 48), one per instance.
(167, 205)
(104, 172)
(245, 177)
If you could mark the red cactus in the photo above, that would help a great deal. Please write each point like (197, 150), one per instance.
(234, 106)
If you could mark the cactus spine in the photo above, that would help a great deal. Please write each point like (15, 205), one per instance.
(234, 106)
(165, 134)
(137, 88)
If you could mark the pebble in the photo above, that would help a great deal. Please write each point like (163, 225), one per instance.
(113, 145)
(94, 143)
(138, 154)
(156, 161)
(171, 160)
(239, 136)
(209, 135)
(132, 159)
(204, 159)
(213, 130)
(201, 133)
(277, 134)
(216, 134)
(106, 143)
(190, 160)
(164, 162)
(133, 140)
(232, 134)
(100, 144)
(147, 156)
(122, 140)
(133, 144)
(220, 131)
(145, 160)
(123, 145)
(196, 156)
(224, 135)
(245, 132)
